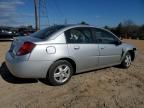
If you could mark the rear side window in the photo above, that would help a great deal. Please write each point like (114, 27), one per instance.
(45, 33)
(79, 35)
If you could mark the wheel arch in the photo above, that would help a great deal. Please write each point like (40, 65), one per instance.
(132, 53)
(70, 60)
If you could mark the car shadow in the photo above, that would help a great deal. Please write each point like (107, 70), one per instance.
(6, 40)
(8, 77)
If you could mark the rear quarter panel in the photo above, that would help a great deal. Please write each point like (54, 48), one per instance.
(40, 52)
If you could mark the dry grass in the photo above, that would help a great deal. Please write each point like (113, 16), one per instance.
(107, 88)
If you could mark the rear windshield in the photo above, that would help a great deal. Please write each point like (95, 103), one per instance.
(45, 33)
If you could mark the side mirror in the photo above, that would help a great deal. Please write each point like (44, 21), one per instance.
(117, 42)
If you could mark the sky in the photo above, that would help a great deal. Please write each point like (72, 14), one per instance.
(94, 12)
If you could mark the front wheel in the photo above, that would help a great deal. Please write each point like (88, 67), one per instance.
(126, 61)
(60, 72)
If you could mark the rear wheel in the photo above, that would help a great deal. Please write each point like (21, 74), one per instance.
(127, 61)
(60, 72)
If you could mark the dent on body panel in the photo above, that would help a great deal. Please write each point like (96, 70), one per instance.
(126, 47)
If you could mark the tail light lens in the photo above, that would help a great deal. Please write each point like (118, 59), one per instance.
(26, 48)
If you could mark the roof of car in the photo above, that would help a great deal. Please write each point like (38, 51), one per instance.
(73, 25)
(78, 25)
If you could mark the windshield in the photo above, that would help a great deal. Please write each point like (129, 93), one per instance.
(45, 33)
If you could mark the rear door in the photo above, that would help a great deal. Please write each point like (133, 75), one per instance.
(109, 47)
(82, 48)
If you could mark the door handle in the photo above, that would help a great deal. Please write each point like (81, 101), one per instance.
(102, 48)
(76, 47)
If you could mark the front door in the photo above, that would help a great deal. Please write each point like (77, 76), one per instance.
(109, 47)
(110, 54)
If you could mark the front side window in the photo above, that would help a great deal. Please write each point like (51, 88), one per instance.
(79, 35)
(104, 37)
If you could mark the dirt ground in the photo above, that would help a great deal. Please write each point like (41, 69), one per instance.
(106, 88)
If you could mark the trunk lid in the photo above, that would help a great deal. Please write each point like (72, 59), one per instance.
(19, 41)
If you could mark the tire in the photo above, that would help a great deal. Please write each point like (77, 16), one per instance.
(60, 73)
(126, 61)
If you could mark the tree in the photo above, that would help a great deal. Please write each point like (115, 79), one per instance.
(130, 29)
(142, 28)
(107, 27)
(84, 23)
(141, 32)
(119, 30)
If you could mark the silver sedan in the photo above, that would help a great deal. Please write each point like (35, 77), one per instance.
(56, 53)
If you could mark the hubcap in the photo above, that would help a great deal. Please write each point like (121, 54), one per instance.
(62, 73)
(128, 60)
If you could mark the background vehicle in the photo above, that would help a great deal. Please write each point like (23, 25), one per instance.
(8, 33)
(25, 31)
(57, 52)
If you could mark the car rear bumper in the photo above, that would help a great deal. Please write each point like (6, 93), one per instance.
(27, 69)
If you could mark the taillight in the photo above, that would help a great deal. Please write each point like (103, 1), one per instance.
(26, 48)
